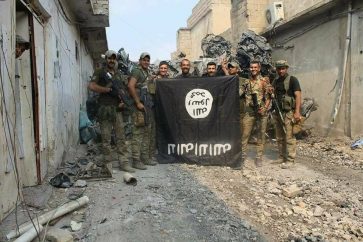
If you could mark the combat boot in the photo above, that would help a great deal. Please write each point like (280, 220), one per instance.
(150, 161)
(238, 166)
(139, 165)
(287, 165)
(125, 166)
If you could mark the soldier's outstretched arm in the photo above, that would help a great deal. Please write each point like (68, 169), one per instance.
(132, 90)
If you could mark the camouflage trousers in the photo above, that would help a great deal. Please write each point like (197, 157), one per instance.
(286, 142)
(152, 136)
(140, 142)
(248, 121)
(109, 118)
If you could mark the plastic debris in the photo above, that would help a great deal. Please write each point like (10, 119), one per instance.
(357, 144)
(61, 181)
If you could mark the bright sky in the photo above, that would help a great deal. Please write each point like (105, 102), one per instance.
(147, 25)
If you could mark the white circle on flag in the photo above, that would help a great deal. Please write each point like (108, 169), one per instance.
(198, 103)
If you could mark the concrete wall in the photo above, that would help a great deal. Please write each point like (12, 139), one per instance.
(66, 79)
(247, 14)
(356, 78)
(296, 7)
(62, 78)
(316, 58)
(8, 184)
(183, 42)
(208, 17)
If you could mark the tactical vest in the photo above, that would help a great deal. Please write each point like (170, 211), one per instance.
(287, 102)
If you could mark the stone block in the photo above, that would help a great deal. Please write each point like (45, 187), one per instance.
(59, 235)
(291, 191)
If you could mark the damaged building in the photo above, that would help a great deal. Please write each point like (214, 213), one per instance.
(321, 40)
(44, 89)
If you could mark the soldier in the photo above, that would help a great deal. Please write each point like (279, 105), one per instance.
(163, 70)
(211, 69)
(185, 68)
(162, 73)
(106, 81)
(287, 92)
(256, 103)
(138, 87)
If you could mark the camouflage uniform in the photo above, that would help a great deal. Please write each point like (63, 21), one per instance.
(140, 144)
(110, 117)
(250, 117)
(152, 131)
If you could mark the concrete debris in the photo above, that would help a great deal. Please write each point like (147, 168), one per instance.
(75, 193)
(37, 196)
(58, 235)
(291, 191)
(80, 183)
(318, 211)
(75, 226)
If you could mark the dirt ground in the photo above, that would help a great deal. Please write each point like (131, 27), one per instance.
(319, 199)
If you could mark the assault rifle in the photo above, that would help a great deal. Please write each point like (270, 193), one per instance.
(255, 102)
(146, 99)
(278, 110)
(119, 90)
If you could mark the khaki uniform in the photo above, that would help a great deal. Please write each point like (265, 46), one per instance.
(286, 142)
(110, 117)
(285, 87)
(250, 117)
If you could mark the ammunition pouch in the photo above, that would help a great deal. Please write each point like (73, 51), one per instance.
(151, 87)
(288, 103)
(138, 118)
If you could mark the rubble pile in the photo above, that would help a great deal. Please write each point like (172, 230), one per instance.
(214, 46)
(254, 47)
(331, 152)
(294, 206)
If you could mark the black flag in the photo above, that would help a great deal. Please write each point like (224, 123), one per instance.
(198, 120)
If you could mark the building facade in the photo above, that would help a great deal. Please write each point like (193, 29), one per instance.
(322, 41)
(44, 89)
(208, 17)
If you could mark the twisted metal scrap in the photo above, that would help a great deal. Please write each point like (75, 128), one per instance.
(214, 46)
(253, 47)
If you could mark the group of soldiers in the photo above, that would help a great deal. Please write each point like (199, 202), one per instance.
(258, 96)
(129, 101)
